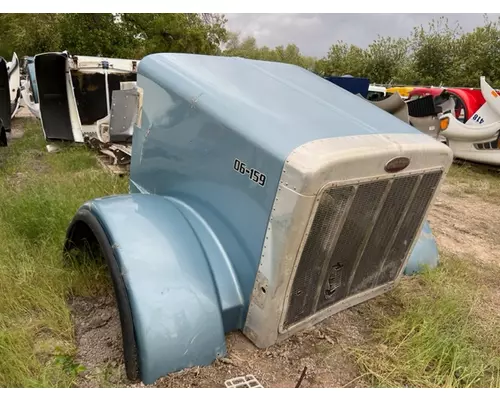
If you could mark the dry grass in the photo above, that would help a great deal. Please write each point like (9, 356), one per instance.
(473, 179)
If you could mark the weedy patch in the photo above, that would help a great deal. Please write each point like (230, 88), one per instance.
(68, 364)
(441, 336)
(467, 179)
(39, 194)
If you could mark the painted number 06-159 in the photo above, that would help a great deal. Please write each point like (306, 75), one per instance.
(254, 175)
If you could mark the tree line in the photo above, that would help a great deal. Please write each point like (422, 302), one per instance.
(436, 54)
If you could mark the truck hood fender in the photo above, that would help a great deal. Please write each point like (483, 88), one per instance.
(171, 291)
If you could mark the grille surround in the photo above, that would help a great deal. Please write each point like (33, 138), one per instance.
(326, 291)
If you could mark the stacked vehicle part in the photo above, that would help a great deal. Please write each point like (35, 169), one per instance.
(10, 95)
(78, 96)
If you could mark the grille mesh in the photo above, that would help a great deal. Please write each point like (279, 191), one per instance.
(367, 270)
(358, 240)
(324, 227)
(353, 233)
(408, 230)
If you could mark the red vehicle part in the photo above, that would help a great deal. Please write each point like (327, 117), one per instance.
(467, 101)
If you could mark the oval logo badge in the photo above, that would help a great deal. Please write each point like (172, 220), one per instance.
(396, 164)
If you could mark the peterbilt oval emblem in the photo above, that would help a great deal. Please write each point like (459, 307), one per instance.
(397, 164)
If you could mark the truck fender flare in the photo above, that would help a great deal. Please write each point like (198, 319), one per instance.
(84, 216)
(170, 310)
(425, 254)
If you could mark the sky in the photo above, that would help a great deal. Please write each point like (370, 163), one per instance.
(315, 33)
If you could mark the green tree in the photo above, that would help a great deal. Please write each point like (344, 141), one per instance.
(431, 55)
(248, 48)
(291, 55)
(343, 59)
(95, 34)
(480, 51)
(184, 33)
(29, 34)
(111, 35)
(386, 58)
(436, 56)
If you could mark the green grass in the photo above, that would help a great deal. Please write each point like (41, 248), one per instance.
(473, 179)
(444, 332)
(39, 194)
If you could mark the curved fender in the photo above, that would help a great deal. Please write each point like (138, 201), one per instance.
(395, 106)
(425, 252)
(428, 125)
(490, 95)
(170, 308)
(469, 133)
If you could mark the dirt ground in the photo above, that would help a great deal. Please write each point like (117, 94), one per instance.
(322, 350)
(18, 123)
(462, 225)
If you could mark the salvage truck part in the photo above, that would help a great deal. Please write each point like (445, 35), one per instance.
(404, 91)
(27, 91)
(394, 105)
(263, 199)
(424, 114)
(76, 95)
(3, 135)
(420, 113)
(14, 71)
(29, 88)
(4, 99)
(466, 100)
(478, 140)
(9, 91)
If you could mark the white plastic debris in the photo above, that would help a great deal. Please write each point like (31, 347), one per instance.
(247, 381)
(52, 148)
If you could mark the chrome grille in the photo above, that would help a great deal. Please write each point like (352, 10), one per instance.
(358, 240)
